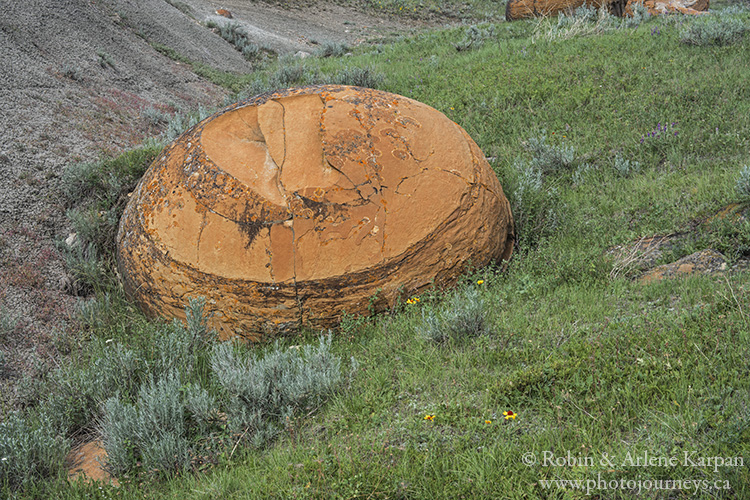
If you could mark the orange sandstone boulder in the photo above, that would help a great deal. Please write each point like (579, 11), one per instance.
(291, 208)
(658, 7)
(524, 9)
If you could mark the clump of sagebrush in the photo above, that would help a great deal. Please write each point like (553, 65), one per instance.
(264, 392)
(723, 28)
(625, 167)
(97, 192)
(549, 158)
(291, 71)
(639, 16)
(332, 49)
(365, 76)
(475, 37)
(76, 393)
(159, 430)
(30, 449)
(179, 393)
(105, 59)
(535, 203)
(742, 187)
(462, 318)
(183, 120)
(73, 72)
(239, 37)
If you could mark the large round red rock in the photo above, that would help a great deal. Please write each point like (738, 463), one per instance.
(291, 208)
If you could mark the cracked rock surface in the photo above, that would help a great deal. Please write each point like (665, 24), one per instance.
(290, 208)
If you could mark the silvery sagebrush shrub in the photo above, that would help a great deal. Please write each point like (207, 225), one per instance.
(30, 449)
(155, 431)
(625, 167)
(366, 77)
(93, 312)
(548, 158)
(742, 187)
(722, 28)
(536, 206)
(581, 172)
(84, 266)
(640, 15)
(463, 317)
(265, 390)
(180, 122)
(74, 403)
(332, 49)
(475, 36)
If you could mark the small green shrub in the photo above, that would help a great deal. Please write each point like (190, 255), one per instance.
(719, 29)
(73, 72)
(475, 37)
(535, 203)
(624, 167)
(365, 77)
(156, 116)
(30, 450)
(742, 187)
(266, 390)
(548, 158)
(640, 15)
(97, 194)
(463, 317)
(332, 49)
(290, 73)
(239, 37)
(94, 313)
(105, 59)
(179, 345)
(153, 432)
(86, 270)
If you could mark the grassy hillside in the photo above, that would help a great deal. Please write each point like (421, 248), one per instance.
(635, 129)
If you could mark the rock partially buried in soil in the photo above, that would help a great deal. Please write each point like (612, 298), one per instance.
(525, 9)
(704, 262)
(291, 208)
(661, 7)
(86, 461)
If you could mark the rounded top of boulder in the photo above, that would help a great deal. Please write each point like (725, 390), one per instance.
(325, 194)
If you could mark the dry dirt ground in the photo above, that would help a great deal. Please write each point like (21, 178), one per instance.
(75, 78)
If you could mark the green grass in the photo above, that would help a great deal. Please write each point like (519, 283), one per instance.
(593, 366)
(232, 81)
